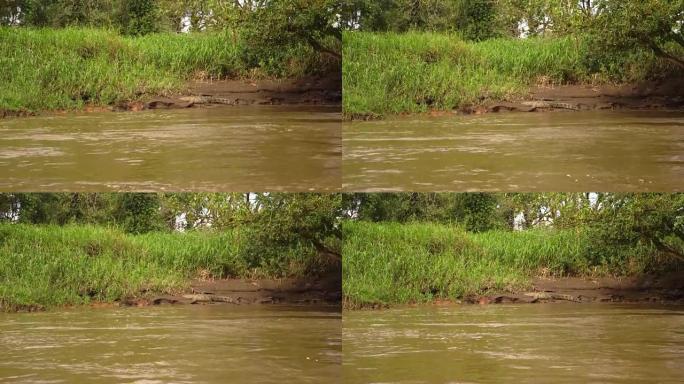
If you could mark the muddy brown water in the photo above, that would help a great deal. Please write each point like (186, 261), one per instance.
(532, 343)
(274, 148)
(183, 344)
(559, 151)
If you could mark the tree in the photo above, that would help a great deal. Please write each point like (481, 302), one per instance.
(651, 219)
(280, 24)
(139, 17)
(654, 25)
(10, 12)
(477, 212)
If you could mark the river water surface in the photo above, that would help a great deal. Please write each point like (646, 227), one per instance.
(264, 148)
(180, 344)
(544, 343)
(559, 151)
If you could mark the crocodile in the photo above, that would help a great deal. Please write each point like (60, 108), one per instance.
(209, 100)
(204, 298)
(550, 104)
(552, 296)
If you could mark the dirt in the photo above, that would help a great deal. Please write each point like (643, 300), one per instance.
(323, 290)
(324, 90)
(648, 95)
(312, 90)
(667, 288)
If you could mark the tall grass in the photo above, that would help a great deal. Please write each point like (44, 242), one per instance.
(393, 263)
(53, 265)
(390, 73)
(45, 69)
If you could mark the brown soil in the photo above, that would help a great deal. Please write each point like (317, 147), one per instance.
(661, 94)
(320, 90)
(325, 90)
(323, 290)
(667, 288)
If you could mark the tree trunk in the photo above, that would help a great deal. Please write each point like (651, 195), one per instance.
(320, 48)
(662, 54)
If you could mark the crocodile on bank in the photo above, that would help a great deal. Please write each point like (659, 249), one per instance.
(522, 106)
(552, 296)
(550, 104)
(209, 100)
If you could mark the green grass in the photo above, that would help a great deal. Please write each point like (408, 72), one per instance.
(52, 69)
(391, 263)
(390, 73)
(52, 265)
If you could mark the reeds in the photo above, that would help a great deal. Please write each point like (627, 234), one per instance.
(53, 69)
(77, 264)
(391, 263)
(390, 73)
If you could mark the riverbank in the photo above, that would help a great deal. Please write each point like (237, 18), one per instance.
(315, 290)
(312, 90)
(387, 74)
(388, 264)
(92, 69)
(50, 266)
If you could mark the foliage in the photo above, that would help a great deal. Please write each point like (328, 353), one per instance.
(138, 17)
(70, 68)
(476, 212)
(307, 223)
(389, 73)
(71, 248)
(138, 212)
(53, 265)
(287, 22)
(626, 26)
(391, 263)
(471, 19)
(652, 219)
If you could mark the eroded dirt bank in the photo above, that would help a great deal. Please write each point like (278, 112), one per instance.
(326, 90)
(651, 95)
(663, 289)
(312, 90)
(668, 288)
(244, 291)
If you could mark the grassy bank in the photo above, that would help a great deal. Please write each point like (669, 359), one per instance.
(53, 265)
(392, 263)
(49, 69)
(389, 73)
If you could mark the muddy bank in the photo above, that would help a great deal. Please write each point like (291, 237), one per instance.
(642, 289)
(665, 94)
(652, 95)
(306, 91)
(326, 290)
(312, 90)
(662, 289)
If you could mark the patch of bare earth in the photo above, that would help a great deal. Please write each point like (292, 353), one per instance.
(665, 94)
(667, 288)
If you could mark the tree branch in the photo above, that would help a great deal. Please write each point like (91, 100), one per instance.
(661, 53)
(320, 48)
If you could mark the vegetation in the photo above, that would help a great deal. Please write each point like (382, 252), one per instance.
(414, 56)
(390, 73)
(69, 68)
(71, 248)
(425, 249)
(64, 54)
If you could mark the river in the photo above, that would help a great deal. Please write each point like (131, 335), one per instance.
(178, 344)
(263, 148)
(560, 151)
(531, 343)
